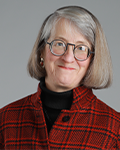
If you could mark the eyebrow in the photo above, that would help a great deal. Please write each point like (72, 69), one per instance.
(79, 42)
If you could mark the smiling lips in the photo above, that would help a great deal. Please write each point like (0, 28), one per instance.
(67, 68)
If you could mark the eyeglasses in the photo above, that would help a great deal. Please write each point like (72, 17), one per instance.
(58, 48)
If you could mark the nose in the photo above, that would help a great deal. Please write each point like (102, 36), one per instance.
(68, 55)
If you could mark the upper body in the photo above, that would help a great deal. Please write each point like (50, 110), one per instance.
(88, 124)
(72, 55)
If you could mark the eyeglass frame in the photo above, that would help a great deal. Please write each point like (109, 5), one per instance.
(66, 46)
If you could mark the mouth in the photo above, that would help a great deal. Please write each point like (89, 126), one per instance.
(66, 68)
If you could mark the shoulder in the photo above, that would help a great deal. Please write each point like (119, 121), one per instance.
(105, 114)
(18, 103)
(104, 117)
(13, 109)
(102, 107)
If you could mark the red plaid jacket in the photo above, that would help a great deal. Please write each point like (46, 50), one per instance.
(89, 124)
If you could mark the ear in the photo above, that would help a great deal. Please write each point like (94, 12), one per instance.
(42, 54)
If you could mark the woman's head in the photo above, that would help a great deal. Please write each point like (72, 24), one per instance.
(99, 72)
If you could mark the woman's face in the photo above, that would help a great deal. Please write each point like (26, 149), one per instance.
(65, 72)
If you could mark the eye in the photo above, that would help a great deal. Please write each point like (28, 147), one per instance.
(59, 44)
(82, 48)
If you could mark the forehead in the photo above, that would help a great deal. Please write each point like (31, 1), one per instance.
(67, 30)
(63, 26)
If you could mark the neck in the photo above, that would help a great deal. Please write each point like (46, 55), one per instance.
(56, 100)
(56, 88)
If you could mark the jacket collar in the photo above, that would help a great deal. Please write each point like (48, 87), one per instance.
(82, 98)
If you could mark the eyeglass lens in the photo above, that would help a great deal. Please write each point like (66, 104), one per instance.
(58, 48)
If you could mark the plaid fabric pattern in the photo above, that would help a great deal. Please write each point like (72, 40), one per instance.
(89, 124)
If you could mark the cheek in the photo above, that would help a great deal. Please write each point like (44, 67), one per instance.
(84, 64)
(49, 61)
(47, 56)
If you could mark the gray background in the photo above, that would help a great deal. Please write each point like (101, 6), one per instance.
(20, 21)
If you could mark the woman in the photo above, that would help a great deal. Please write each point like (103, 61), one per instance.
(70, 58)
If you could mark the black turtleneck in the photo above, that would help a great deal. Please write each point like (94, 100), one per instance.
(53, 103)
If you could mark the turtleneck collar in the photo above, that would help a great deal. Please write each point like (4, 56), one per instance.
(55, 100)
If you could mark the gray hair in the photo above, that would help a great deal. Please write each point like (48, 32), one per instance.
(79, 17)
(99, 73)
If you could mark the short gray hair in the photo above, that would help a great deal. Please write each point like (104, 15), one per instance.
(99, 73)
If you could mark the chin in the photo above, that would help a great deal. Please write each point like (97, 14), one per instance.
(67, 85)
